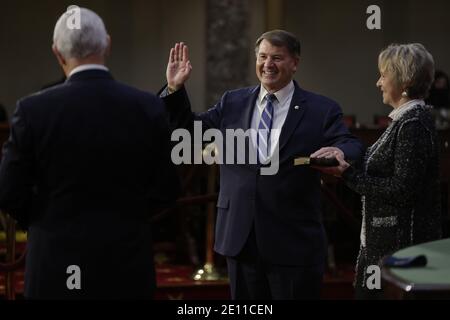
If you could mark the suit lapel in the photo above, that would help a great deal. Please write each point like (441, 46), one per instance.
(295, 114)
(245, 122)
(249, 106)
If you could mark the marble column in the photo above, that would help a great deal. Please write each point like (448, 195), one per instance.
(227, 47)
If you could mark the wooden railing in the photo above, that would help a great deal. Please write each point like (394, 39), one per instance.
(11, 264)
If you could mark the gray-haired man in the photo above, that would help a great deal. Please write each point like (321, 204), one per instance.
(85, 165)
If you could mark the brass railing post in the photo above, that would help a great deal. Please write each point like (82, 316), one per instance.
(209, 272)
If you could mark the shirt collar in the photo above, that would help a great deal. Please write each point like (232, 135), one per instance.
(85, 67)
(398, 112)
(282, 94)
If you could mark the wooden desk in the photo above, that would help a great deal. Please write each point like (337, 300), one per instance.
(429, 282)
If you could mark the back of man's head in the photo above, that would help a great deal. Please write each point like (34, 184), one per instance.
(89, 39)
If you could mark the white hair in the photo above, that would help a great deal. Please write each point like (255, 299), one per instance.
(91, 38)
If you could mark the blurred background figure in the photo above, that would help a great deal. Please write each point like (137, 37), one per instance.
(440, 91)
(3, 113)
(439, 98)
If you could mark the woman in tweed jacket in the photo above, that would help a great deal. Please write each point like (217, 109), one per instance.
(399, 178)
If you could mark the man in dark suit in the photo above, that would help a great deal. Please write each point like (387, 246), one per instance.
(86, 164)
(269, 226)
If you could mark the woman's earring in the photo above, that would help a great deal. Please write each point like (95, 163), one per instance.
(405, 94)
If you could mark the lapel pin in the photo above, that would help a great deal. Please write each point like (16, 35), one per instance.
(296, 107)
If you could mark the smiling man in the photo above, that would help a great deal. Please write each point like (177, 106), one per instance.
(275, 64)
(269, 226)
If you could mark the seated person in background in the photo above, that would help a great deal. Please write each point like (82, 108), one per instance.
(3, 113)
(440, 91)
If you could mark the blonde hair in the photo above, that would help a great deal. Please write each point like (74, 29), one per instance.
(411, 66)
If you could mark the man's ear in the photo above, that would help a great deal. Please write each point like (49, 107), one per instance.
(296, 63)
(108, 47)
(62, 62)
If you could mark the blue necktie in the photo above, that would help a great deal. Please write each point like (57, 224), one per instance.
(265, 125)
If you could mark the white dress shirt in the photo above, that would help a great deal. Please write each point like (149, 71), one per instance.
(85, 67)
(280, 111)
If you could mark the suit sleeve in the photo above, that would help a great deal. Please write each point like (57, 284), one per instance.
(17, 169)
(411, 154)
(167, 188)
(179, 112)
(337, 135)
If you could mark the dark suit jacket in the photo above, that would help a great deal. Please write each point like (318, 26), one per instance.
(284, 208)
(85, 165)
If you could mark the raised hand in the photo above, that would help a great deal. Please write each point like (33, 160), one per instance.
(179, 67)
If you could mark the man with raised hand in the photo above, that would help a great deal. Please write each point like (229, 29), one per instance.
(269, 227)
